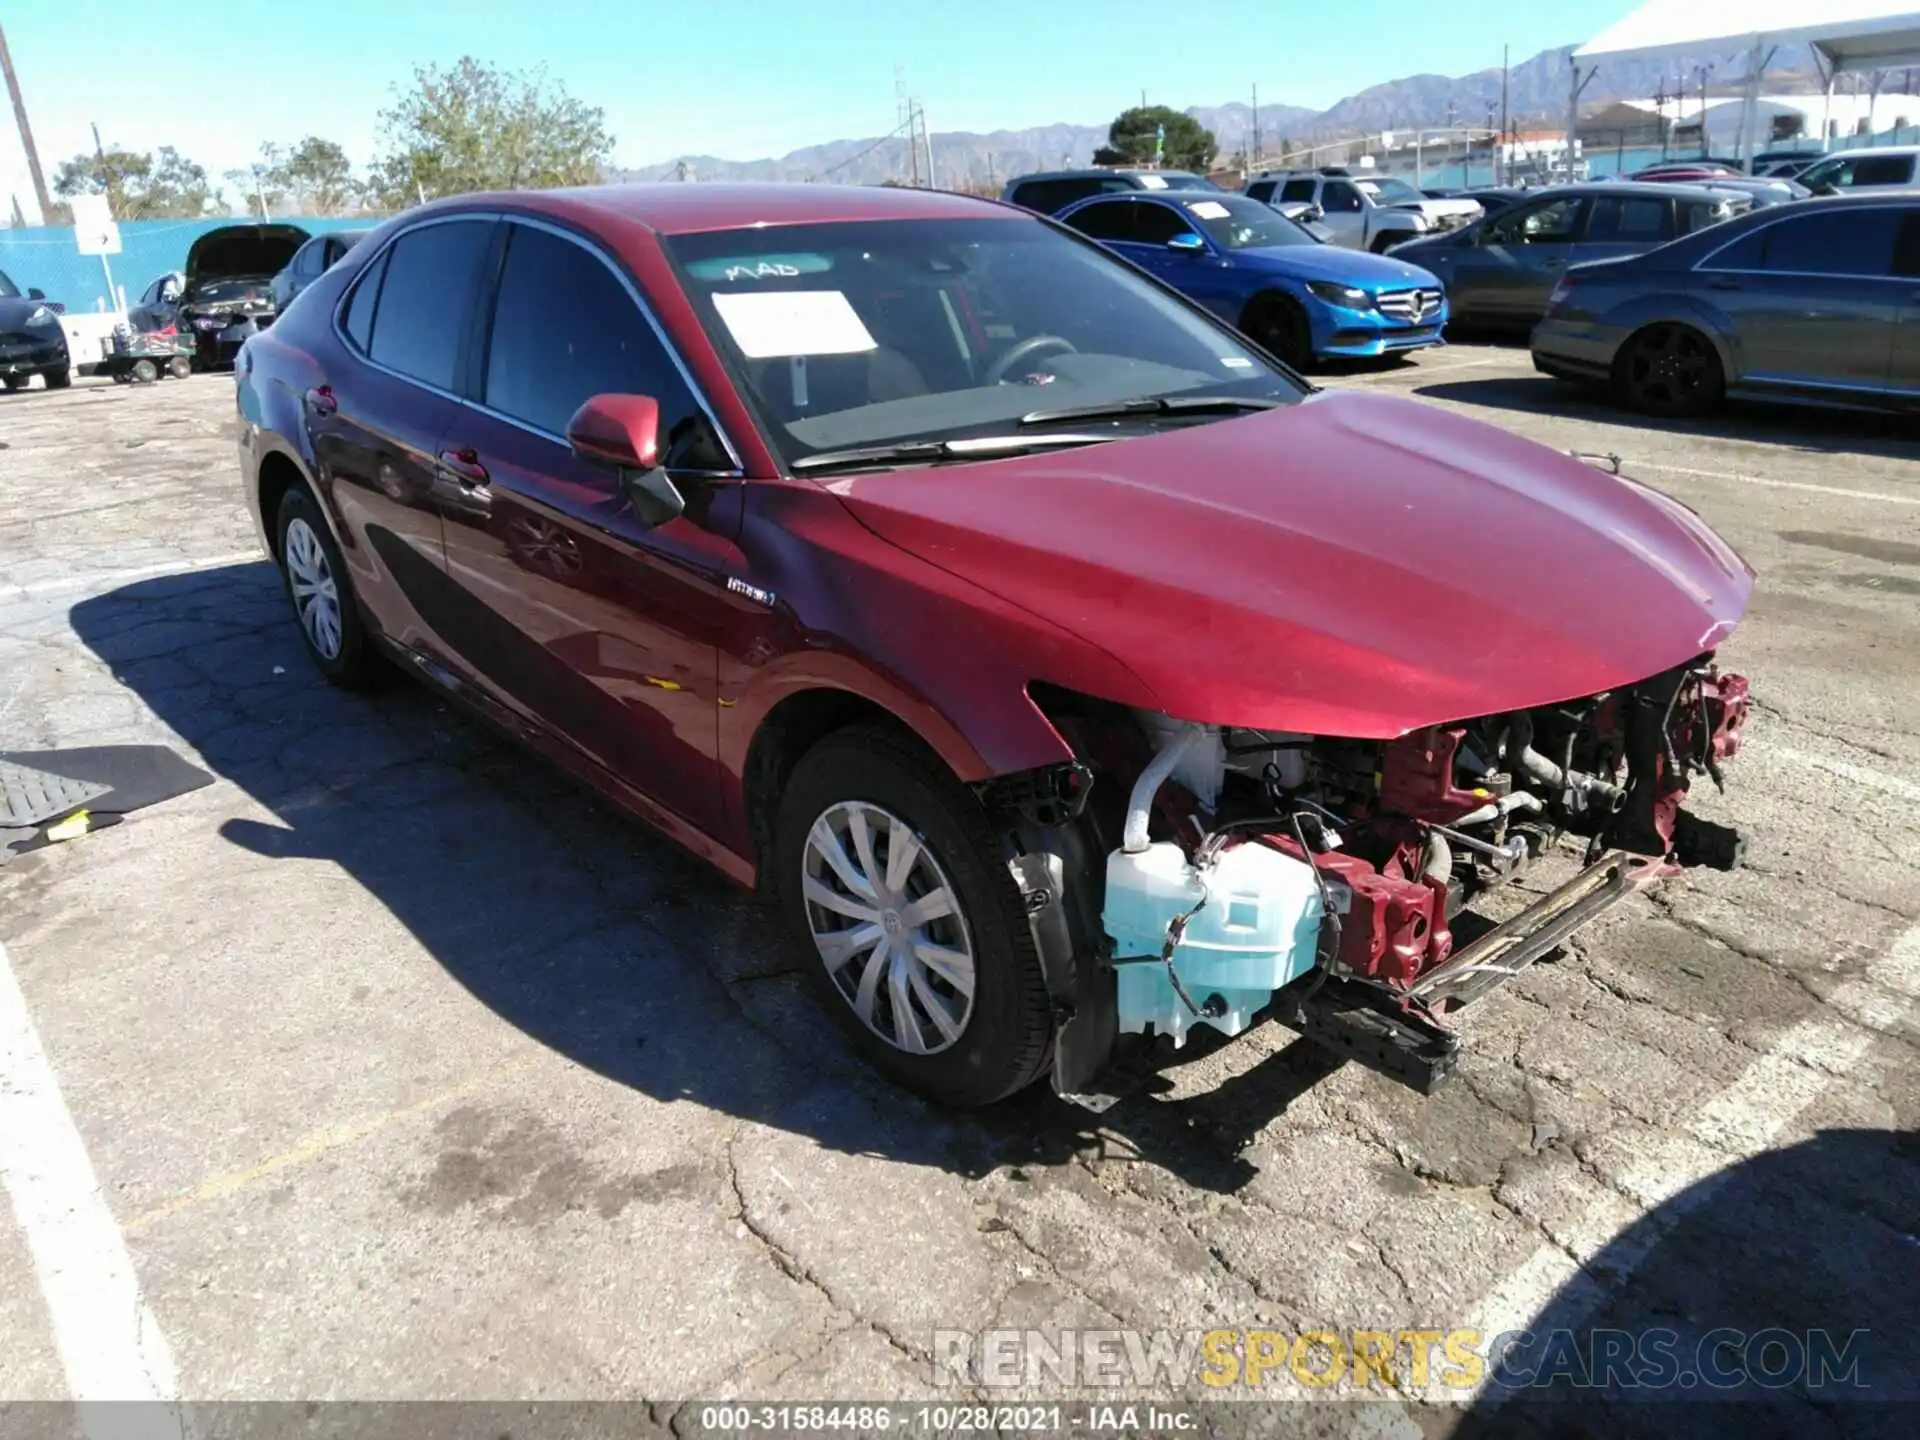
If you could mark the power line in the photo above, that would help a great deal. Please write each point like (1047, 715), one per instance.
(841, 165)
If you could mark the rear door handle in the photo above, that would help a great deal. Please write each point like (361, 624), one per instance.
(1724, 285)
(321, 400)
(464, 462)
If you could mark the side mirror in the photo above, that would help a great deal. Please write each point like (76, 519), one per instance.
(622, 433)
(1187, 243)
(36, 294)
(1313, 215)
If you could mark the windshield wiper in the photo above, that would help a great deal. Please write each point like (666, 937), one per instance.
(928, 452)
(1151, 405)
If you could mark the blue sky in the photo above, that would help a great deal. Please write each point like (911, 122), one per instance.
(735, 78)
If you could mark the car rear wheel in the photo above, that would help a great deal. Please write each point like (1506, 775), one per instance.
(1669, 370)
(57, 379)
(1383, 243)
(322, 596)
(15, 382)
(893, 895)
(1279, 326)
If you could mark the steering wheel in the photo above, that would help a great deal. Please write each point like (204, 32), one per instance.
(1033, 345)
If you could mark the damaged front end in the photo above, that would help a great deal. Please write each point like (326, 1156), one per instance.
(1180, 874)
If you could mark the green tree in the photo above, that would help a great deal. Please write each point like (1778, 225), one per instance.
(319, 177)
(1132, 140)
(162, 185)
(472, 126)
(311, 177)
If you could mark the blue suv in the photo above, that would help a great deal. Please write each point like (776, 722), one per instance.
(1299, 298)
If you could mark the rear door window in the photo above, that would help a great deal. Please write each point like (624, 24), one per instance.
(1629, 220)
(1050, 197)
(358, 320)
(1834, 242)
(1261, 190)
(426, 299)
(1298, 190)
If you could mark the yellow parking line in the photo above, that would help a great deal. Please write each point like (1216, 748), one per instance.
(330, 1137)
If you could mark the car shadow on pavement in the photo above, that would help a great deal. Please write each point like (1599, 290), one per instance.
(1799, 428)
(577, 925)
(1777, 1297)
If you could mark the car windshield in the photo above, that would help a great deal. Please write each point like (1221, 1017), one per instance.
(8, 290)
(1390, 191)
(1237, 223)
(882, 332)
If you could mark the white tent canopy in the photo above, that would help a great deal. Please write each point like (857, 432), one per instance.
(1848, 35)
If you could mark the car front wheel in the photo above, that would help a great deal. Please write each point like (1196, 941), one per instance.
(57, 379)
(892, 892)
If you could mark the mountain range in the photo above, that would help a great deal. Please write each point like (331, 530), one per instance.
(1536, 91)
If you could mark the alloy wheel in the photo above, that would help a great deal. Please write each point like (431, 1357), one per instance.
(1671, 368)
(316, 598)
(889, 928)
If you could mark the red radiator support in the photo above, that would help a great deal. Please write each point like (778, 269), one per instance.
(1395, 928)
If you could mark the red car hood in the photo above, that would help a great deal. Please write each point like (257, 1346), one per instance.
(1352, 565)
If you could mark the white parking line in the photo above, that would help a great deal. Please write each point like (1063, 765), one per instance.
(110, 1346)
(1672, 1177)
(1876, 495)
(106, 579)
(1854, 774)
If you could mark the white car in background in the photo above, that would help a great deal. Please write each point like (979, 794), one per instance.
(1364, 211)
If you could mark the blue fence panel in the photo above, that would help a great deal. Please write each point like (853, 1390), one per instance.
(44, 258)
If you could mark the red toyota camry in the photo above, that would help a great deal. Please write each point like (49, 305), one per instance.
(1062, 665)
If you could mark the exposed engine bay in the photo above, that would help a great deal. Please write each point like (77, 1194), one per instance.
(1319, 880)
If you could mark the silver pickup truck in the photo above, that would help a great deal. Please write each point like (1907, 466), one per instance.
(1364, 211)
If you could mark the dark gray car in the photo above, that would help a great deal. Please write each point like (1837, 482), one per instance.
(311, 261)
(1817, 301)
(1052, 191)
(1499, 271)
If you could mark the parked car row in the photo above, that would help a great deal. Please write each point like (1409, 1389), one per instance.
(1814, 302)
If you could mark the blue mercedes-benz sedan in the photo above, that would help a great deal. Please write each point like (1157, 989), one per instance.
(1299, 298)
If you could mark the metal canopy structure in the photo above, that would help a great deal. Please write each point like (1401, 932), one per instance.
(1847, 35)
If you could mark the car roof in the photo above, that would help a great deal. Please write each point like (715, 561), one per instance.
(1096, 172)
(675, 208)
(1872, 150)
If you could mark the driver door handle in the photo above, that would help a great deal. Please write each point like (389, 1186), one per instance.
(463, 462)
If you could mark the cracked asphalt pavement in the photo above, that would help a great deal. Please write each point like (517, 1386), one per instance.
(407, 1072)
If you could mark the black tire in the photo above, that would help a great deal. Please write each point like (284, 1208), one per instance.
(353, 664)
(1278, 325)
(1382, 243)
(15, 382)
(179, 367)
(145, 372)
(58, 379)
(1006, 1038)
(1669, 370)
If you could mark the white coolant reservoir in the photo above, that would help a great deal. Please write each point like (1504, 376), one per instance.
(1258, 930)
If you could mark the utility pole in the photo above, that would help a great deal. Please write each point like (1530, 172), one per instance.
(1254, 163)
(926, 142)
(26, 131)
(1505, 68)
(1704, 71)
